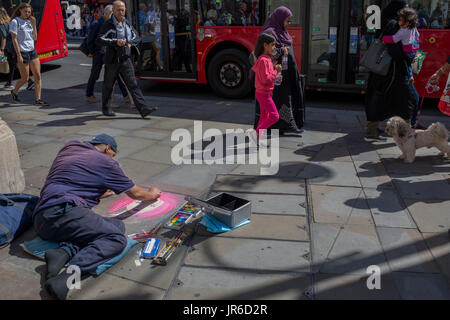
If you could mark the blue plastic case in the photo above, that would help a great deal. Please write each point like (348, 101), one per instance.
(151, 248)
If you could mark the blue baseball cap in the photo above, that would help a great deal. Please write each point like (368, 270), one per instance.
(105, 139)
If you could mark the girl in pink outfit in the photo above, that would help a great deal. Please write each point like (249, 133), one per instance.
(407, 35)
(265, 76)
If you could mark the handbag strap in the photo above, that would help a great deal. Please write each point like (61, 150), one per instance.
(15, 204)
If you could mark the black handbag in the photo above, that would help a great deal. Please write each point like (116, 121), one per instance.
(84, 47)
(377, 58)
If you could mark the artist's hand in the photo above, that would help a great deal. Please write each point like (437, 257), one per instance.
(121, 42)
(278, 67)
(155, 192)
(416, 58)
(107, 194)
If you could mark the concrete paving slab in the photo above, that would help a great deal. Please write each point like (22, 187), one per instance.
(149, 134)
(355, 249)
(128, 146)
(286, 169)
(23, 115)
(127, 124)
(332, 174)
(273, 205)
(430, 216)
(109, 287)
(413, 286)
(40, 155)
(30, 122)
(255, 184)
(388, 209)
(373, 175)
(323, 238)
(110, 131)
(429, 187)
(141, 171)
(152, 275)
(19, 284)
(33, 138)
(170, 123)
(35, 177)
(157, 153)
(276, 227)
(19, 129)
(406, 250)
(190, 178)
(420, 167)
(338, 205)
(333, 152)
(440, 247)
(314, 137)
(350, 287)
(59, 132)
(249, 254)
(363, 152)
(216, 284)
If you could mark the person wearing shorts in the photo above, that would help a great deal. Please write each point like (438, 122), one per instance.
(24, 34)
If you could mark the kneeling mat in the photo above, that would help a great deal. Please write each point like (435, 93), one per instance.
(38, 247)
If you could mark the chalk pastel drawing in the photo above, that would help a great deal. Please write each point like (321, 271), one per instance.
(143, 210)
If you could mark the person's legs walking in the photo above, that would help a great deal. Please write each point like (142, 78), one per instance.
(269, 112)
(35, 67)
(127, 75)
(111, 72)
(12, 61)
(97, 64)
(24, 74)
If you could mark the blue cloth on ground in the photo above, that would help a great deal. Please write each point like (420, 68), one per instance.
(215, 226)
(37, 247)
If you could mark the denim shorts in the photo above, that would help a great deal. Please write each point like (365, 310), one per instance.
(29, 56)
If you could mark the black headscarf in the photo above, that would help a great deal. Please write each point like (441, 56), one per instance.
(391, 10)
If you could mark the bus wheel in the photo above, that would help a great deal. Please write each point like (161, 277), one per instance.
(228, 74)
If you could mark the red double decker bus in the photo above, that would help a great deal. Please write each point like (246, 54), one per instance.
(51, 43)
(209, 41)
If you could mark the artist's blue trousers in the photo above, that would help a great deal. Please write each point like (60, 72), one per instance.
(89, 239)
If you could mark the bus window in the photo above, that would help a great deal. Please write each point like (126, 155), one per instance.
(149, 28)
(324, 40)
(433, 14)
(230, 13)
(294, 5)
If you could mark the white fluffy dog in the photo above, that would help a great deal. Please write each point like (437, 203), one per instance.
(409, 140)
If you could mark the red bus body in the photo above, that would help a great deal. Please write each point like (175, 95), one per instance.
(51, 43)
(244, 36)
(436, 43)
(210, 41)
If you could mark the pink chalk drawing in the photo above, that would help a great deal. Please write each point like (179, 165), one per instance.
(165, 204)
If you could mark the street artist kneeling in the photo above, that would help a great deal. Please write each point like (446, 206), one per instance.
(81, 175)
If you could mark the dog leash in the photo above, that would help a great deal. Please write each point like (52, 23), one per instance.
(419, 113)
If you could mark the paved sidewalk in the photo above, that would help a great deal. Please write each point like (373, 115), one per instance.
(337, 206)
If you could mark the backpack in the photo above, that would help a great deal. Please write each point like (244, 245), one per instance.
(15, 215)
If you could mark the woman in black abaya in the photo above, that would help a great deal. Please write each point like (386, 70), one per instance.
(391, 94)
(288, 96)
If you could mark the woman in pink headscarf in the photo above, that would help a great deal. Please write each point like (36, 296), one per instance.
(288, 96)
